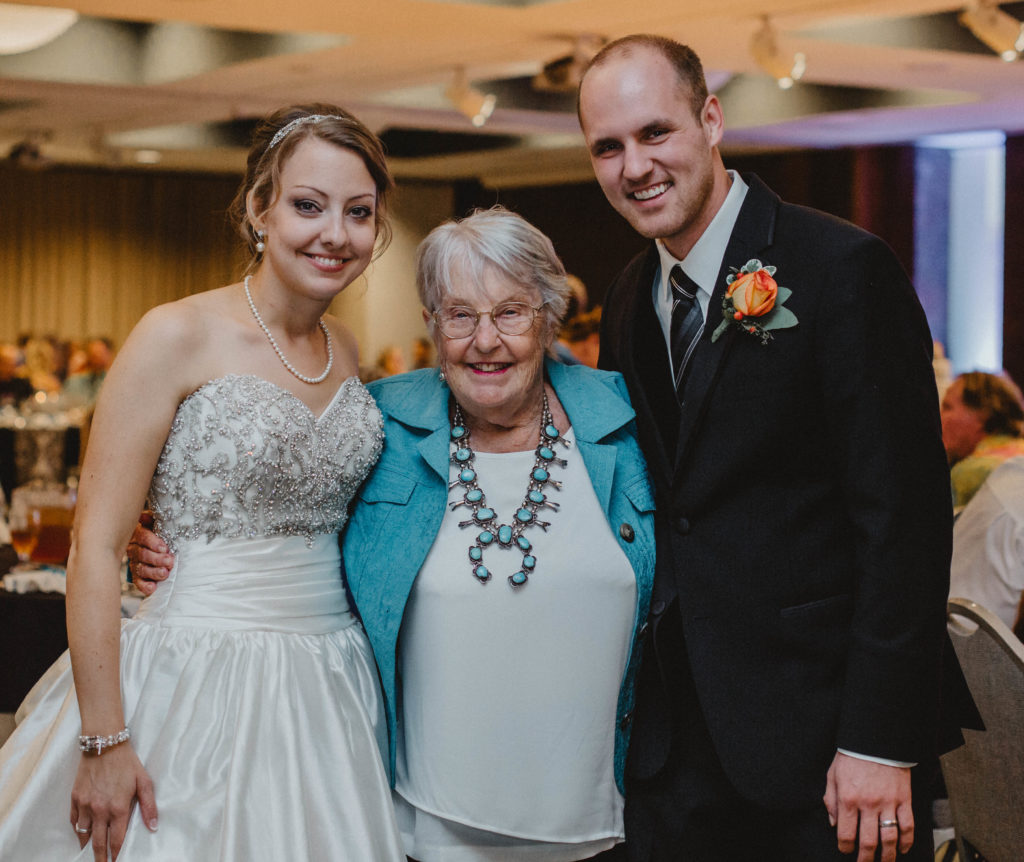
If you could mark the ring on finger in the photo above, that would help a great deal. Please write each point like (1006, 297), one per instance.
(886, 824)
(83, 830)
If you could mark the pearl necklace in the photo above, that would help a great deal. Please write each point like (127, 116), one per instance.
(484, 517)
(277, 350)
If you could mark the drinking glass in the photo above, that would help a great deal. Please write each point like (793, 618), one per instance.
(24, 522)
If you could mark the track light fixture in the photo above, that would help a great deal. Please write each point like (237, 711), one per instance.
(25, 28)
(28, 153)
(477, 107)
(764, 47)
(563, 74)
(1003, 33)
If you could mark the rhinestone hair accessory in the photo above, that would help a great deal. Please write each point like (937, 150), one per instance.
(287, 129)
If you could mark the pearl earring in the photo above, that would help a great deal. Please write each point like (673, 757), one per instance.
(261, 246)
(440, 374)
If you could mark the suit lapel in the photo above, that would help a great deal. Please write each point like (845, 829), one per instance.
(751, 236)
(653, 396)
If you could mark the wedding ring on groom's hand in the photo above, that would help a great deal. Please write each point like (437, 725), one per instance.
(883, 824)
(82, 831)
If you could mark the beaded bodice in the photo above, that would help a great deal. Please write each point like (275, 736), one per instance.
(245, 457)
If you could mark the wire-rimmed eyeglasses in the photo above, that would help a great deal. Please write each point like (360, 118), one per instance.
(510, 318)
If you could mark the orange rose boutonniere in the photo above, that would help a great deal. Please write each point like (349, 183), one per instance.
(753, 302)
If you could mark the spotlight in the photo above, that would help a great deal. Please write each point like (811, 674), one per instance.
(28, 153)
(469, 101)
(765, 49)
(25, 28)
(563, 74)
(1003, 33)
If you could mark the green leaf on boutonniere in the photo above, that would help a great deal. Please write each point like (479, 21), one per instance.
(779, 317)
(720, 330)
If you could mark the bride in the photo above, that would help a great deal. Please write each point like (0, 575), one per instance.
(238, 715)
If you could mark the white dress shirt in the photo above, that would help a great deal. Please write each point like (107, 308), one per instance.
(703, 261)
(988, 543)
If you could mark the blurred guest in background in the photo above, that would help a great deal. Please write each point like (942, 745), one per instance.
(61, 355)
(84, 386)
(78, 360)
(391, 361)
(583, 336)
(579, 302)
(39, 367)
(579, 298)
(982, 423)
(13, 388)
(942, 367)
(422, 354)
(988, 543)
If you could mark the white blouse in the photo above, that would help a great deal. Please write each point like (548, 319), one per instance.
(509, 695)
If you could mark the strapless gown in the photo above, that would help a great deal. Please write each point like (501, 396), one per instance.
(249, 686)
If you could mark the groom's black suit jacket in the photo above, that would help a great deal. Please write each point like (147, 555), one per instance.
(804, 517)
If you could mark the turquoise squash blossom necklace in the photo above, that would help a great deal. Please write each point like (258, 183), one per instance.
(485, 518)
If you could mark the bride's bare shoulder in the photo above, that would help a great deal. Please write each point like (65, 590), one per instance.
(186, 330)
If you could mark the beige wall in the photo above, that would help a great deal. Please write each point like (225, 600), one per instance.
(382, 308)
(88, 252)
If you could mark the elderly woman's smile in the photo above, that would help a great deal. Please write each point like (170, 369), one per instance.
(495, 372)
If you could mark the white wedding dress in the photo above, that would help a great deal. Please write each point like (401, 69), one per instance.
(248, 685)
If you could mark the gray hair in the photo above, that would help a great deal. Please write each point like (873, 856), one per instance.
(497, 240)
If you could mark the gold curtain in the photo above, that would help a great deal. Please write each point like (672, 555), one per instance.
(87, 252)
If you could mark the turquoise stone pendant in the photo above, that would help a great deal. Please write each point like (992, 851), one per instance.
(473, 497)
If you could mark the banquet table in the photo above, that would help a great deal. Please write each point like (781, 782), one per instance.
(27, 453)
(33, 631)
(32, 636)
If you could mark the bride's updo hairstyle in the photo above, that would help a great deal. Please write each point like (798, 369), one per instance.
(275, 139)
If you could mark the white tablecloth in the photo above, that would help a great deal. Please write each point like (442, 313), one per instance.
(51, 579)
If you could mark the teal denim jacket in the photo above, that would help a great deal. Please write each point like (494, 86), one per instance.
(398, 511)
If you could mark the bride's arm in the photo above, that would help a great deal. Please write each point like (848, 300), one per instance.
(133, 416)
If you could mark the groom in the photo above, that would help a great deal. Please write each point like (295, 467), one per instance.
(796, 640)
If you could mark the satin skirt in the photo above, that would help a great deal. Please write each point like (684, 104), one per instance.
(253, 701)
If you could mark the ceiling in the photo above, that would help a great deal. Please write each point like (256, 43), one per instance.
(178, 83)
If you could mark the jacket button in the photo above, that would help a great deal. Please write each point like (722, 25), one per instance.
(683, 526)
(658, 608)
(642, 631)
(626, 531)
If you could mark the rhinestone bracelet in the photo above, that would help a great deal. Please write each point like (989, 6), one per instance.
(99, 744)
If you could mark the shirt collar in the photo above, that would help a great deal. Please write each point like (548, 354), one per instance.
(705, 258)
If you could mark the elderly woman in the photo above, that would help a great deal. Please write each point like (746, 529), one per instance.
(501, 555)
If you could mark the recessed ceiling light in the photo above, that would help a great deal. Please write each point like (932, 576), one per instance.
(25, 28)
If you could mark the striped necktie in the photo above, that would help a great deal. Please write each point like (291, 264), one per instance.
(687, 325)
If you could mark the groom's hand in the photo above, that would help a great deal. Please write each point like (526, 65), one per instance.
(859, 796)
(148, 556)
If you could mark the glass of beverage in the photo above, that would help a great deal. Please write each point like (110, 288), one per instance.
(25, 524)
